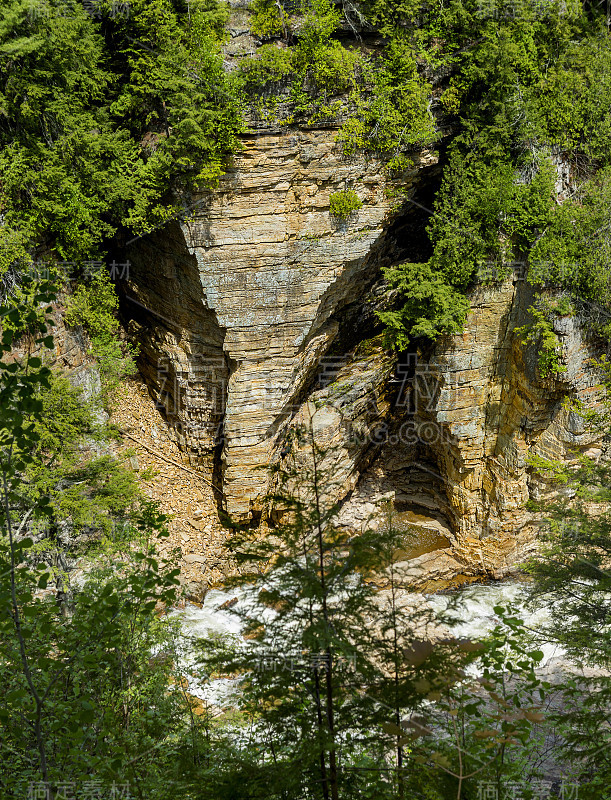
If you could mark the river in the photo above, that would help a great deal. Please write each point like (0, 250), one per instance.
(473, 607)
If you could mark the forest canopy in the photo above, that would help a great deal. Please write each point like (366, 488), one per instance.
(114, 115)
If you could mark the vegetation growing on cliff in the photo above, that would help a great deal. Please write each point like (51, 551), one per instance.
(522, 100)
(110, 117)
(94, 305)
(541, 334)
(428, 307)
(571, 579)
(81, 694)
(104, 118)
(384, 100)
(344, 203)
(527, 95)
(268, 19)
(107, 124)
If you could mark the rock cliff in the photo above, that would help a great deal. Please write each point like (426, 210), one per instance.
(252, 313)
(454, 455)
(236, 306)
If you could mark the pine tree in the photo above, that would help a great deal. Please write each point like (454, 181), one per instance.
(324, 678)
(81, 697)
(572, 580)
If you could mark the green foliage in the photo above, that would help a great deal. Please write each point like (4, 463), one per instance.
(574, 251)
(384, 100)
(55, 144)
(81, 695)
(67, 476)
(95, 129)
(343, 204)
(20, 292)
(395, 113)
(89, 493)
(541, 334)
(323, 67)
(94, 306)
(272, 65)
(268, 18)
(571, 581)
(572, 106)
(321, 20)
(90, 682)
(333, 70)
(176, 94)
(13, 248)
(521, 89)
(104, 125)
(484, 216)
(429, 306)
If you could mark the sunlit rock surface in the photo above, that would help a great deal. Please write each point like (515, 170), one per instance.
(236, 307)
(251, 314)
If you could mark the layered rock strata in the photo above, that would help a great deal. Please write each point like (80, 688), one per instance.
(180, 339)
(237, 308)
(247, 290)
(453, 457)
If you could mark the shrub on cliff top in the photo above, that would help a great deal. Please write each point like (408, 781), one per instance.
(271, 65)
(269, 19)
(82, 95)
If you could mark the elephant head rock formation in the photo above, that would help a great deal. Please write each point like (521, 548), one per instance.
(236, 306)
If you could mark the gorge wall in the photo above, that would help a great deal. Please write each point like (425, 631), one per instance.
(236, 306)
(256, 313)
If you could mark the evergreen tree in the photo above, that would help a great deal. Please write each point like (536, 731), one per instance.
(572, 580)
(104, 116)
(82, 698)
(325, 680)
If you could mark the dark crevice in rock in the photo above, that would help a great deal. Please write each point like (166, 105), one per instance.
(181, 358)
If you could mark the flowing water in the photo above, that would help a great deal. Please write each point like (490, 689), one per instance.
(472, 606)
(475, 609)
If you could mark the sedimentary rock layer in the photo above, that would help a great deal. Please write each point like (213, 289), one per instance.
(253, 281)
(237, 307)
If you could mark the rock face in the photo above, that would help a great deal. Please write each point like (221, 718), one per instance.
(241, 311)
(181, 342)
(493, 412)
(236, 307)
(453, 452)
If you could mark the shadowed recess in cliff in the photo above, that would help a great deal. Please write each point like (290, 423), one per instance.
(181, 342)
